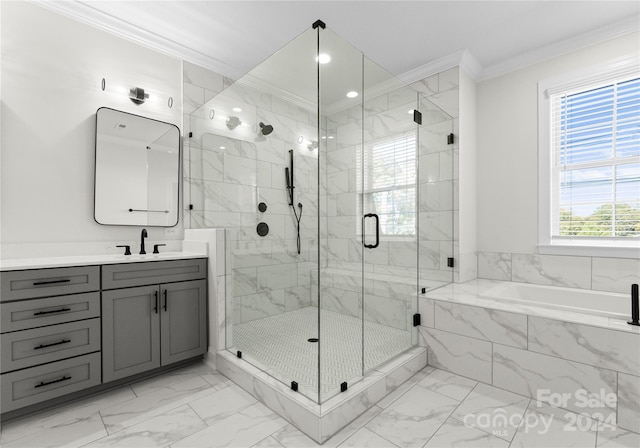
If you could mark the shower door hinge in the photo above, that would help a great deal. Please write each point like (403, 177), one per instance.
(417, 116)
(190, 206)
(294, 386)
(239, 354)
(416, 319)
(450, 139)
(190, 134)
(450, 262)
(343, 387)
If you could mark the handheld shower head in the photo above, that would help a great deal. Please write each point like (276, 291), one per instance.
(265, 129)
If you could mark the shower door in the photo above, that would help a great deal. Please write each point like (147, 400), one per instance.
(387, 185)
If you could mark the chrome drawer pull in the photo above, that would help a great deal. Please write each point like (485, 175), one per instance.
(64, 341)
(51, 282)
(61, 310)
(42, 383)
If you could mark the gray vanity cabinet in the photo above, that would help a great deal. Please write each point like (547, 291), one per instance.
(49, 334)
(130, 330)
(145, 327)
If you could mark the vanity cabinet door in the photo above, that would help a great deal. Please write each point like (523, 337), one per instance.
(130, 331)
(183, 320)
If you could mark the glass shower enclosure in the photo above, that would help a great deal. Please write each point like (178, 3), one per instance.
(310, 163)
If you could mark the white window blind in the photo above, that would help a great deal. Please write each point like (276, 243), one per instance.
(595, 179)
(390, 184)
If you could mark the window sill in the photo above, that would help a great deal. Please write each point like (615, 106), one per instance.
(590, 251)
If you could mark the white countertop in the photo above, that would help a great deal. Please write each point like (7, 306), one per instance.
(18, 264)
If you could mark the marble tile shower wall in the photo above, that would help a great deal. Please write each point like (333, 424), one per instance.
(578, 367)
(229, 173)
(602, 274)
(388, 296)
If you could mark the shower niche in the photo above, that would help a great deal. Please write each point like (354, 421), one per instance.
(331, 143)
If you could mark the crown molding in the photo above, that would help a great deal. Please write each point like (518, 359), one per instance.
(465, 60)
(618, 29)
(85, 13)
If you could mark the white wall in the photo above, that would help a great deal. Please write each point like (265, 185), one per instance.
(467, 184)
(51, 73)
(507, 126)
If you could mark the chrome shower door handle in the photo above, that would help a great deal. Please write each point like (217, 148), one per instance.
(371, 246)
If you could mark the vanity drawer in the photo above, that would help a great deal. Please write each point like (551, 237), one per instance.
(16, 285)
(31, 386)
(48, 311)
(29, 348)
(153, 272)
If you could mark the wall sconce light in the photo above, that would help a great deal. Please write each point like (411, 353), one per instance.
(137, 95)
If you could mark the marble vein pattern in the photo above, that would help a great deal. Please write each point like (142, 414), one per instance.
(76, 432)
(227, 417)
(32, 424)
(609, 349)
(269, 442)
(365, 438)
(463, 355)
(454, 433)
(244, 428)
(494, 265)
(556, 270)
(615, 274)
(412, 419)
(618, 438)
(448, 384)
(542, 431)
(129, 413)
(161, 430)
(535, 375)
(493, 410)
(629, 402)
(482, 323)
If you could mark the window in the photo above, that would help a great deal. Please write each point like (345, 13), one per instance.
(390, 184)
(593, 161)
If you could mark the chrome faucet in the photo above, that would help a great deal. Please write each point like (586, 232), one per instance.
(143, 235)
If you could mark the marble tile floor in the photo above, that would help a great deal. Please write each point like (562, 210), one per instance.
(198, 407)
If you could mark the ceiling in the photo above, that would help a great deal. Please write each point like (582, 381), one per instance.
(408, 38)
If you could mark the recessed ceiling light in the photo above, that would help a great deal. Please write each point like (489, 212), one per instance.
(330, 137)
(223, 147)
(236, 109)
(323, 58)
(410, 112)
(352, 94)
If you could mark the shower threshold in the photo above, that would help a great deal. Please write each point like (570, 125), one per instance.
(321, 421)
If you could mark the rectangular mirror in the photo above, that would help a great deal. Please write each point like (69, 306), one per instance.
(137, 174)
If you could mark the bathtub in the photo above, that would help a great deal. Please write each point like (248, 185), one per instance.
(584, 301)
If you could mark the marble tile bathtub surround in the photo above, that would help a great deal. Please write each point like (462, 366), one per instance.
(482, 323)
(548, 378)
(597, 273)
(463, 355)
(615, 274)
(556, 270)
(629, 402)
(600, 347)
